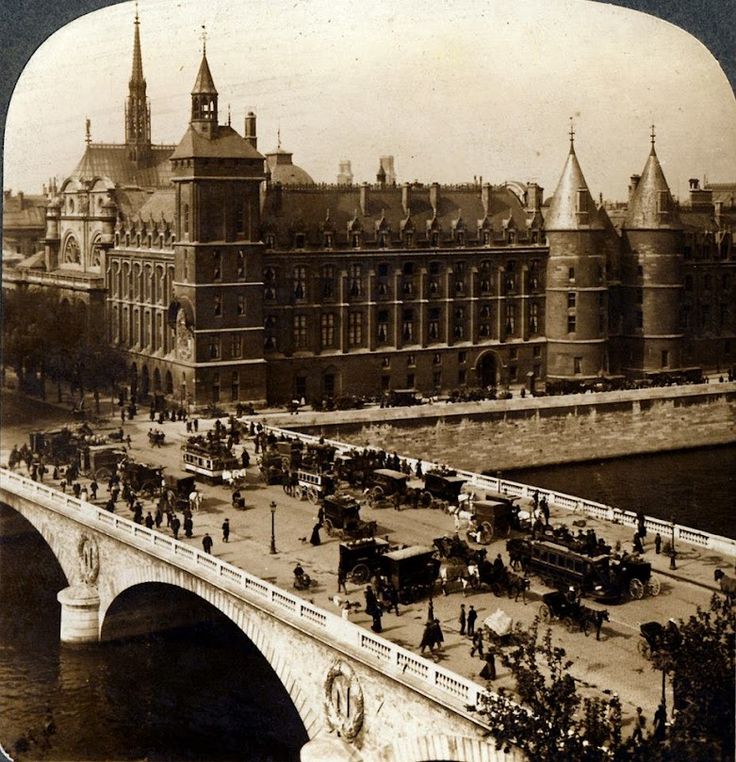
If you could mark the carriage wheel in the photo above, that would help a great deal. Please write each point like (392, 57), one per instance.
(303, 493)
(570, 624)
(644, 649)
(148, 488)
(486, 533)
(653, 586)
(103, 474)
(313, 495)
(636, 588)
(329, 527)
(360, 574)
(375, 495)
(426, 501)
(545, 613)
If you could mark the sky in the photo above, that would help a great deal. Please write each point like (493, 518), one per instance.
(453, 90)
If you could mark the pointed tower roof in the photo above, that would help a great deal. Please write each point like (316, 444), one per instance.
(572, 207)
(651, 204)
(136, 76)
(204, 84)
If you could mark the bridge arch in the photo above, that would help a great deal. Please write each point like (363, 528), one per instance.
(449, 748)
(140, 576)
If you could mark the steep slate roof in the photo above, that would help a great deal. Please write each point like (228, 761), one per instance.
(305, 210)
(30, 214)
(158, 206)
(227, 144)
(563, 208)
(204, 84)
(651, 205)
(111, 160)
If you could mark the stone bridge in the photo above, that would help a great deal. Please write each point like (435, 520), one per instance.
(359, 696)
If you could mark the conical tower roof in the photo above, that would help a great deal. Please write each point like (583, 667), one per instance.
(651, 204)
(572, 207)
(204, 83)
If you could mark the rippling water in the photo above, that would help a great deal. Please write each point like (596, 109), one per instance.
(696, 488)
(202, 693)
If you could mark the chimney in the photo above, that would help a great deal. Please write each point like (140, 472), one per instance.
(381, 175)
(406, 197)
(363, 198)
(434, 195)
(719, 211)
(633, 185)
(20, 199)
(534, 197)
(485, 197)
(387, 164)
(250, 129)
(345, 175)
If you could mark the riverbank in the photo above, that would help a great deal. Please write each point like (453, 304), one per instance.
(533, 432)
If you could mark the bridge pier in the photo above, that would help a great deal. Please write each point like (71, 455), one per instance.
(80, 614)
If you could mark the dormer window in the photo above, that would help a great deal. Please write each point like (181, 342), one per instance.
(299, 240)
(408, 238)
(270, 241)
(434, 239)
(582, 201)
(486, 237)
(663, 202)
(329, 239)
(355, 239)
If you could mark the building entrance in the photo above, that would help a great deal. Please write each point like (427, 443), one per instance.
(488, 370)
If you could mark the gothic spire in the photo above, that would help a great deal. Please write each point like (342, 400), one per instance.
(137, 109)
(136, 77)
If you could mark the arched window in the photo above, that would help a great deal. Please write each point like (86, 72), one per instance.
(186, 220)
(71, 254)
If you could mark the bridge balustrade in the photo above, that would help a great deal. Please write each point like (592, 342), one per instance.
(437, 683)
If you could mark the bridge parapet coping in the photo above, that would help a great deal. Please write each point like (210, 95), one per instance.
(435, 682)
(590, 508)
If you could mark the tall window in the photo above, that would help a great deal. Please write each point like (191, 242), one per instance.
(236, 348)
(328, 281)
(571, 322)
(214, 348)
(300, 331)
(218, 306)
(355, 282)
(382, 327)
(434, 323)
(355, 329)
(239, 217)
(186, 220)
(407, 325)
(216, 387)
(269, 284)
(327, 329)
(216, 265)
(571, 300)
(459, 329)
(241, 305)
(300, 282)
(486, 315)
(485, 277)
(534, 317)
(577, 363)
(510, 323)
(235, 386)
(241, 265)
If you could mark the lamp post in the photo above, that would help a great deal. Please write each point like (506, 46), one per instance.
(673, 552)
(431, 569)
(272, 551)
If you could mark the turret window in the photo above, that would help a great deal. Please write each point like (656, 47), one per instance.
(571, 300)
(571, 322)
(236, 349)
(241, 265)
(218, 306)
(241, 305)
(571, 274)
(216, 265)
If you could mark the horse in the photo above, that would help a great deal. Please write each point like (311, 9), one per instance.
(726, 583)
(517, 585)
(195, 500)
(518, 553)
(594, 617)
(454, 569)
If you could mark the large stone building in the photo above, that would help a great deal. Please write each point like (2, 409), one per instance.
(228, 275)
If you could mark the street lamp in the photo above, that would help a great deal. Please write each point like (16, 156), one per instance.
(431, 569)
(273, 527)
(673, 552)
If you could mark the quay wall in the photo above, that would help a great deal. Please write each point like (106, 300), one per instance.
(546, 431)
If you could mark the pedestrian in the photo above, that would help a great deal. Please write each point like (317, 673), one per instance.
(207, 543)
(76, 489)
(195, 424)
(34, 471)
(342, 579)
(437, 637)
(638, 547)
(83, 496)
(314, 537)
(660, 721)
(472, 616)
(393, 598)
(640, 722)
(55, 475)
(149, 521)
(462, 619)
(245, 458)
(93, 487)
(175, 524)
(122, 415)
(152, 414)
(189, 427)
(427, 638)
(376, 626)
(371, 604)
(62, 484)
(544, 505)
(158, 518)
(226, 530)
(477, 644)
(110, 505)
(489, 668)
(658, 543)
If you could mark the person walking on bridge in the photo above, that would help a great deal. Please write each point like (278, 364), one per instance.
(226, 530)
(207, 543)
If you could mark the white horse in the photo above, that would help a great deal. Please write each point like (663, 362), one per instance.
(195, 500)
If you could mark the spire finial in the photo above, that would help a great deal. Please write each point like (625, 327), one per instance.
(137, 20)
(203, 37)
(87, 131)
(278, 139)
(652, 135)
(572, 134)
(228, 115)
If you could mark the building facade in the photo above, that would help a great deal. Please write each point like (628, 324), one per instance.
(227, 275)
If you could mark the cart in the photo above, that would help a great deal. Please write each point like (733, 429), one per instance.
(100, 461)
(442, 484)
(499, 628)
(144, 478)
(313, 486)
(342, 518)
(178, 485)
(490, 518)
(208, 460)
(270, 465)
(361, 558)
(412, 571)
(385, 482)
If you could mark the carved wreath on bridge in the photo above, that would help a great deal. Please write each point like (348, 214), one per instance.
(89, 559)
(343, 704)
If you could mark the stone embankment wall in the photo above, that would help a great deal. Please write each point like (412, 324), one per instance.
(596, 430)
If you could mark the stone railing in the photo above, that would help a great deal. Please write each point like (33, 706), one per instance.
(480, 482)
(414, 671)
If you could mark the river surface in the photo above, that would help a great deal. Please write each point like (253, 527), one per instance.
(697, 488)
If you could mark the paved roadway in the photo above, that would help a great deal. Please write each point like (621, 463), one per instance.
(611, 665)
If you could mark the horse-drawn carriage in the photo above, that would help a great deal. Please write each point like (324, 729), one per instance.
(490, 518)
(442, 484)
(566, 608)
(412, 571)
(361, 558)
(604, 577)
(386, 483)
(658, 639)
(308, 485)
(100, 461)
(270, 464)
(144, 478)
(156, 437)
(207, 459)
(177, 488)
(342, 518)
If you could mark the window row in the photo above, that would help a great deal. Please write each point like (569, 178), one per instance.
(145, 283)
